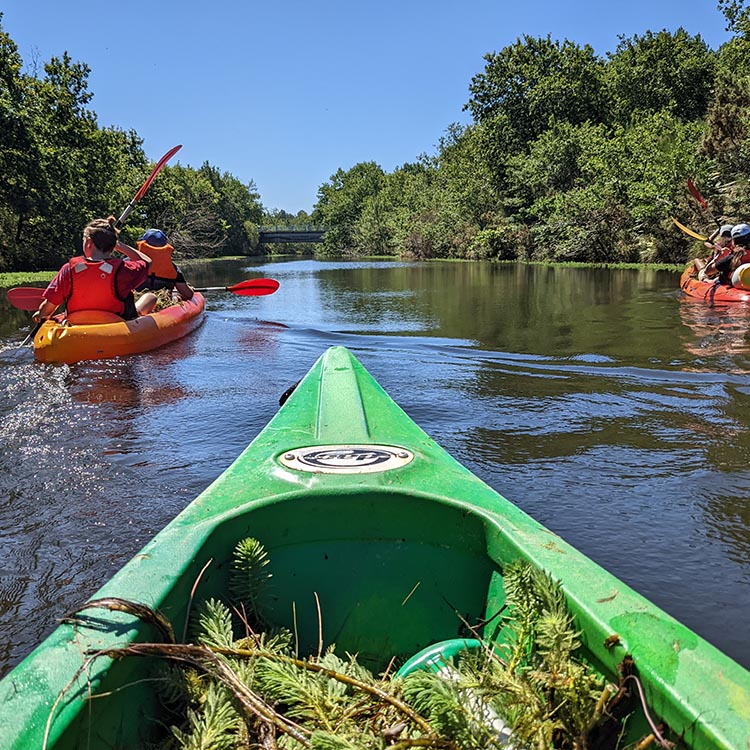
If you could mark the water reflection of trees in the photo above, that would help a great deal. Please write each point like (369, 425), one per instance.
(728, 518)
(14, 323)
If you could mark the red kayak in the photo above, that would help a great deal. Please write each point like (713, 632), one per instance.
(711, 292)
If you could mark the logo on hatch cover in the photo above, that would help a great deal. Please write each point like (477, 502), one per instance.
(346, 459)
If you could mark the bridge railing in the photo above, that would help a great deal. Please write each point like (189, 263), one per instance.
(305, 228)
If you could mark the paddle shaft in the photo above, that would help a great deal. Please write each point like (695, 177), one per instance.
(702, 202)
(32, 333)
(204, 289)
(30, 297)
(146, 185)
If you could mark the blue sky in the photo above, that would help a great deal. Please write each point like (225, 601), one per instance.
(285, 92)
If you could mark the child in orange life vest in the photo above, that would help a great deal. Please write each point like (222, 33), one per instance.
(97, 281)
(164, 274)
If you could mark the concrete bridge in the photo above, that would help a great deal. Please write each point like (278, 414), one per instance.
(274, 235)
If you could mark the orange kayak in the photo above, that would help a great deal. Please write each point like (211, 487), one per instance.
(710, 292)
(58, 342)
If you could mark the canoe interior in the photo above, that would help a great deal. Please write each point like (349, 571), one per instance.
(388, 573)
(363, 582)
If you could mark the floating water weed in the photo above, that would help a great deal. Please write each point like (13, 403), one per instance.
(527, 690)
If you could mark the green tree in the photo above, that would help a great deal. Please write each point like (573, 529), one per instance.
(591, 193)
(184, 204)
(341, 201)
(278, 217)
(737, 14)
(60, 167)
(663, 71)
(238, 204)
(16, 152)
(531, 81)
(727, 135)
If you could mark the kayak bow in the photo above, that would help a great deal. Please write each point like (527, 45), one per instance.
(360, 511)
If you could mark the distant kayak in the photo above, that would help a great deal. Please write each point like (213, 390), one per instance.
(61, 342)
(711, 292)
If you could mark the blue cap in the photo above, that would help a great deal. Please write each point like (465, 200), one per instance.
(154, 237)
(740, 230)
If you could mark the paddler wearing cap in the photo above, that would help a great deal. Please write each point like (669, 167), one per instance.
(163, 274)
(730, 258)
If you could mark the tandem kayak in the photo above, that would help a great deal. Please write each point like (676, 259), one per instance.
(711, 292)
(364, 514)
(56, 341)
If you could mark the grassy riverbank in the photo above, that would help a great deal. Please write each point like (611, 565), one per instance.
(22, 278)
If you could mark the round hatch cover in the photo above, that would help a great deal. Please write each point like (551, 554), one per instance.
(346, 459)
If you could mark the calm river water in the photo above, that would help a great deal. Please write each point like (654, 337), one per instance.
(600, 402)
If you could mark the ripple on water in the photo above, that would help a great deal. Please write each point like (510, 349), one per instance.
(608, 411)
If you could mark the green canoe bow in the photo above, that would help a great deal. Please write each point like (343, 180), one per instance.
(358, 507)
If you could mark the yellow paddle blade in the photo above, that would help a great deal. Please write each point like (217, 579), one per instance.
(689, 231)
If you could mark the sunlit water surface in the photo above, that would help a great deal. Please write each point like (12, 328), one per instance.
(601, 403)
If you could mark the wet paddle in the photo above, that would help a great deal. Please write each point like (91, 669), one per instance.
(25, 297)
(702, 202)
(146, 185)
(248, 288)
(688, 231)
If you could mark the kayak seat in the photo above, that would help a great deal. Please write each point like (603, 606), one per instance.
(93, 317)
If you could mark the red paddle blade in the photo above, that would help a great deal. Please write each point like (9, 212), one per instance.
(254, 287)
(25, 297)
(164, 159)
(694, 192)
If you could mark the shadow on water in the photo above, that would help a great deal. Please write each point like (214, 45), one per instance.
(595, 400)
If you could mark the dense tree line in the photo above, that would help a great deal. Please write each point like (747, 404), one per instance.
(60, 169)
(569, 156)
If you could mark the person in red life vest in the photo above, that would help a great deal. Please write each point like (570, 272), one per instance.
(97, 282)
(734, 256)
(164, 274)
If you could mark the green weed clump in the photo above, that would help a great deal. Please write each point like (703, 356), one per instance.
(240, 684)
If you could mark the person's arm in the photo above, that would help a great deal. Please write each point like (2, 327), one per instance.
(54, 295)
(184, 290)
(45, 311)
(132, 253)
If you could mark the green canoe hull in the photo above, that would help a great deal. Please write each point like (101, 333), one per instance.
(374, 528)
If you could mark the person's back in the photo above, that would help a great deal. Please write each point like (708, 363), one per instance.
(95, 281)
